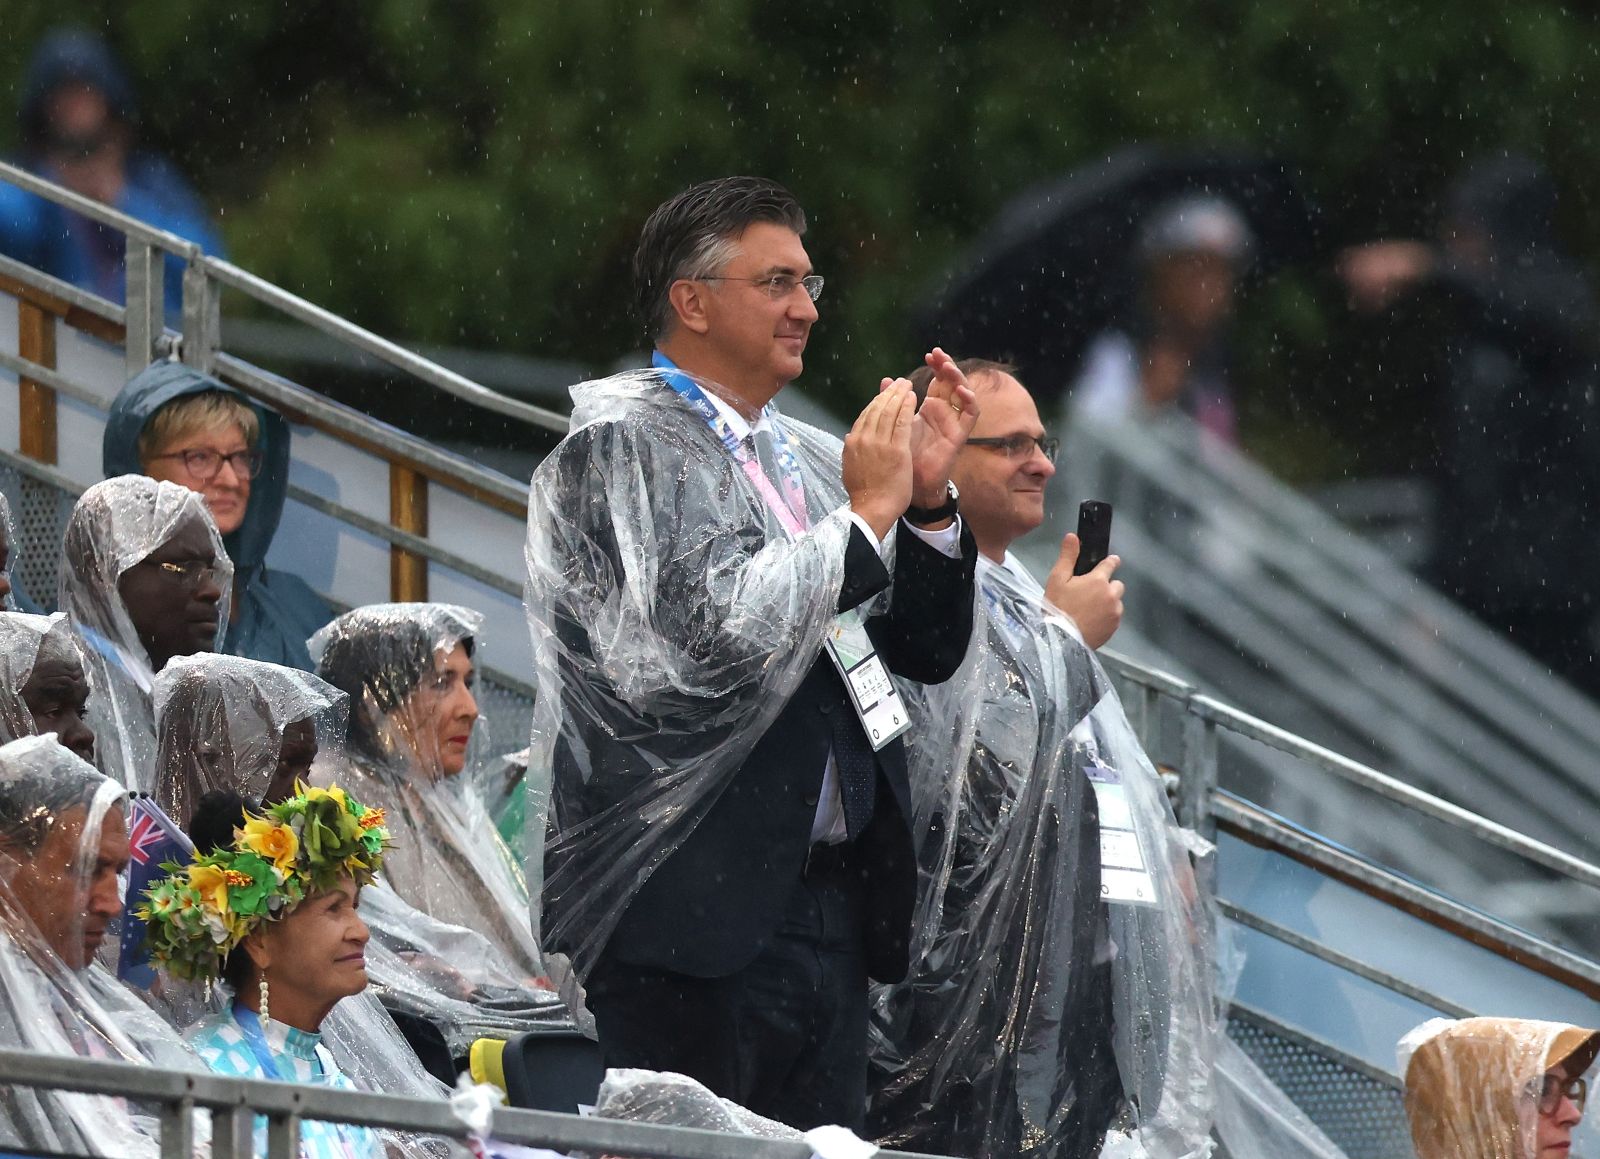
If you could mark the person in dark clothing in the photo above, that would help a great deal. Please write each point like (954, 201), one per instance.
(1059, 985)
(729, 854)
(79, 121)
(1519, 431)
(175, 423)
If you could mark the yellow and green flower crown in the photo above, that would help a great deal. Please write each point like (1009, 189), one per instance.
(302, 846)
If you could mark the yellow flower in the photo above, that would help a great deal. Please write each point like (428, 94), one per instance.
(371, 819)
(333, 791)
(212, 885)
(272, 841)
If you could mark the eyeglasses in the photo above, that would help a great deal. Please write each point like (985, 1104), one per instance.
(204, 465)
(779, 286)
(1021, 446)
(193, 574)
(1555, 1087)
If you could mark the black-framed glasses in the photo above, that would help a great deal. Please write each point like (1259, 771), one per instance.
(1021, 446)
(780, 286)
(193, 574)
(204, 465)
(1554, 1088)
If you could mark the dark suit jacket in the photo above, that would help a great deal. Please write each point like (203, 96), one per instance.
(711, 905)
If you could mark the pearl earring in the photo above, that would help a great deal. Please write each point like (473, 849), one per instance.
(266, 1003)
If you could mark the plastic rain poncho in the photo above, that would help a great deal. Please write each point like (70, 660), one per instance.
(449, 860)
(675, 1100)
(464, 951)
(224, 722)
(13, 600)
(55, 810)
(115, 525)
(1036, 1015)
(1472, 1086)
(277, 609)
(1255, 1119)
(673, 615)
(25, 640)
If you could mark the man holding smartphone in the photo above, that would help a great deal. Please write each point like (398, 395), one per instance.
(1002, 473)
(1059, 987)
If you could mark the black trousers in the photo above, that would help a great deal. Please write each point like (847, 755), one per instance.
(785, 1037)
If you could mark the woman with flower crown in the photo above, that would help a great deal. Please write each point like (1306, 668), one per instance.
(274, 914)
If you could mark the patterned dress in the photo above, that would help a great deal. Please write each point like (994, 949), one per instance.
(299, 1057)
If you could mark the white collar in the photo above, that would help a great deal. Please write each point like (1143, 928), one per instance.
(737, 423)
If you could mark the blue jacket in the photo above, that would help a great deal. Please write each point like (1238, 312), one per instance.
(277, 611)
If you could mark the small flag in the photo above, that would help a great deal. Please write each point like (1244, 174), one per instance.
(152, 839)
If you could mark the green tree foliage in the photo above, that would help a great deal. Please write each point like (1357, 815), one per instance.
(475, 171)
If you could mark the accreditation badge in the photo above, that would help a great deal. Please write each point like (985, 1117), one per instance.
(872, 693)
(1124, 876)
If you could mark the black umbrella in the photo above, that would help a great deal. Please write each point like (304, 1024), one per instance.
(1056, 267)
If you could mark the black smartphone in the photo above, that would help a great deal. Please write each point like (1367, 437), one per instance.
(1094, 535)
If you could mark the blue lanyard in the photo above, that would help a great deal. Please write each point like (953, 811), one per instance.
(689, 390)
(250, 1025)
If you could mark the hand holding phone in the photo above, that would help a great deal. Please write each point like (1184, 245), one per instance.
(1094, 535)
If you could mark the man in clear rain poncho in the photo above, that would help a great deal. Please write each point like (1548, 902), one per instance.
(144, 578)
(1497, 1088)
(727, 858)
(43, 686)
(1060, 983)
(63, 842)
(225, 724)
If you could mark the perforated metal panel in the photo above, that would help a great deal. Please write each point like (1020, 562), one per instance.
(41, 512)
(1363, 1115)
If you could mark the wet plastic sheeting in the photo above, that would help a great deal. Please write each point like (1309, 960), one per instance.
(1038, 1012)
(225, 722)
(115, 525)
(24, 641)
(54, 998)
(455, 943)
(673, 615)
(1473, 1086)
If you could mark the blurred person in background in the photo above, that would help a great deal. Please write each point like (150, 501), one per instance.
(1517, 541)
(1174, 351)
(79, 127)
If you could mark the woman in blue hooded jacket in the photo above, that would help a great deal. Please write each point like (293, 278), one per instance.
(242, 469)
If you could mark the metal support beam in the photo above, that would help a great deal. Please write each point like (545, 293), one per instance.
(145, 302)
(408, 511)
(202, 319)
(36, 401)
(177, 1129)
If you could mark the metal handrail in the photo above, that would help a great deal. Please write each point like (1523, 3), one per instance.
(232, 276)
(284, 1103)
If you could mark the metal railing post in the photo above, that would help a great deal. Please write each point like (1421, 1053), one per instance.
(145, 266)
(1198, 780)
(283, 1136)
(177, 1129)
(232, 1133)
(36, 402)
(408, 511)
(202, 318)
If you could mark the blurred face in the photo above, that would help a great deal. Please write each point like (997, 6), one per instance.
(57, 694)
(295, 754)
(318, 954)
(225, 487)
(1002, 491)
(759, 338)
(442, 711)
(70, 903)
(172, 596)
(1558, 1115)
(1193, 292)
